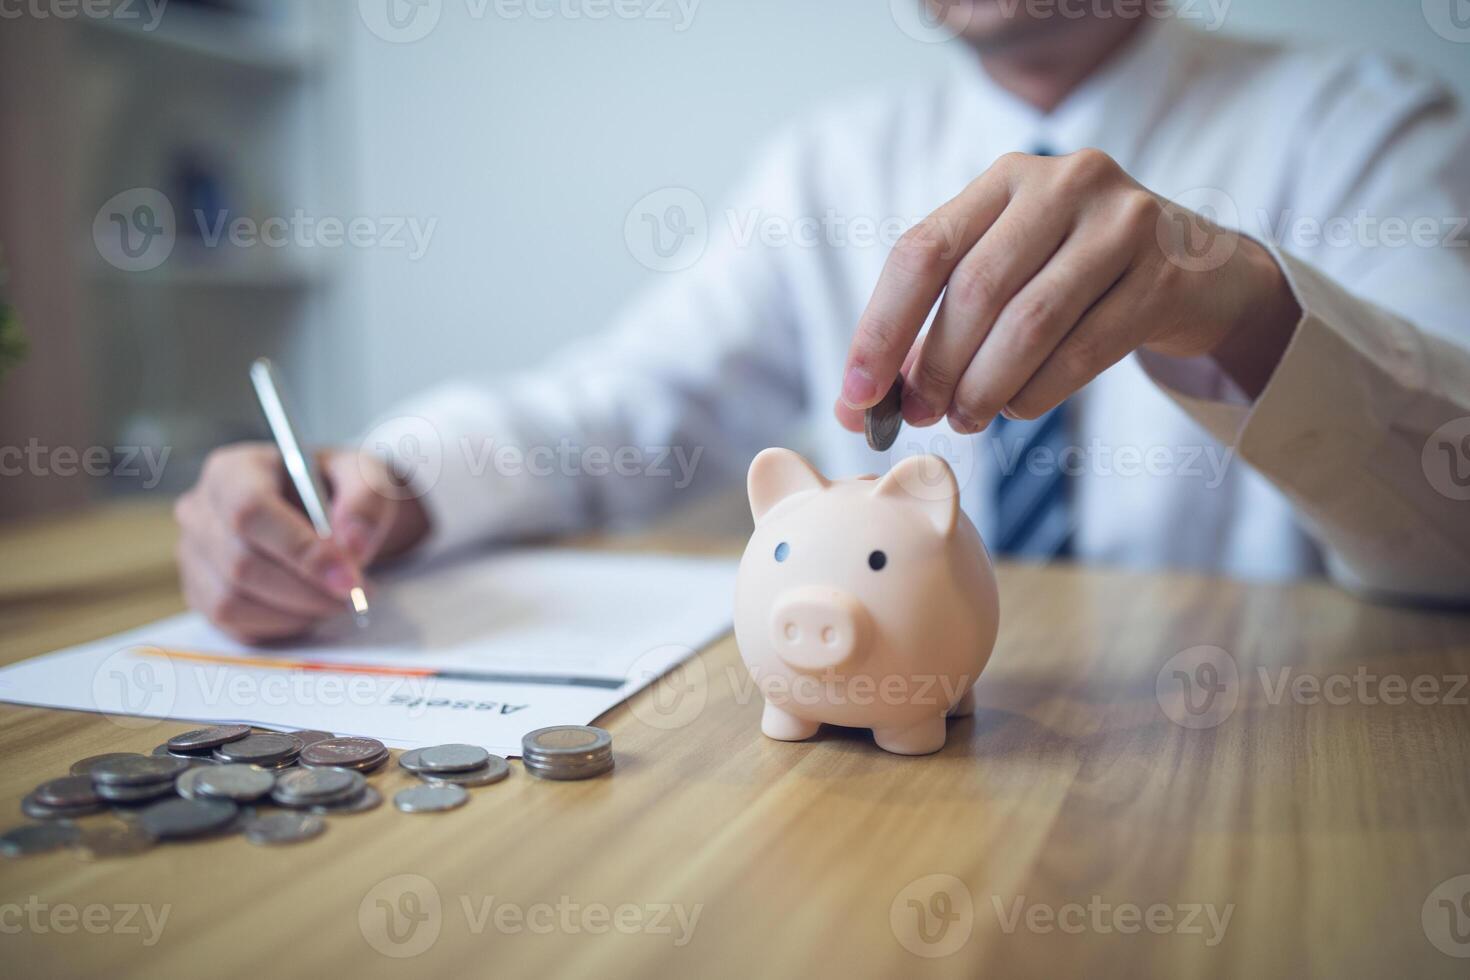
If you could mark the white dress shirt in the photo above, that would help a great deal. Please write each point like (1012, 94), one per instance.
(1354, 169)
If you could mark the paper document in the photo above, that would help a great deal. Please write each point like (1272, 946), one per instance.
(480, 651)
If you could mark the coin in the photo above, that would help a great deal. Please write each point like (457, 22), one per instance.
(455, 757)
(36, 810)
(493, 771)
(116, 840)
(566, 745)
(137, 770)
(882, 421)
(311, 736)
(179, 818)
(305, 787)
(260, 748)
(368, 799)
(66, 791)
(283, 827)
(584, 770)
(204, 739)
(85, 766)
(38, 838)
(351, 753)
(430, 798)
(140, 793)
(233, 781)
(192, 758)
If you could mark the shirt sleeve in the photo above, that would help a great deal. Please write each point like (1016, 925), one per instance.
(1365, 422)
(695, 376)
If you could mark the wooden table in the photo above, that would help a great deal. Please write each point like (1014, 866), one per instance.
(1071, 828)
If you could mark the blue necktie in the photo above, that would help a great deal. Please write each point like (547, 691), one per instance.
(1033, 513)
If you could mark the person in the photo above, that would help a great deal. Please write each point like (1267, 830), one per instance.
(1191, 302)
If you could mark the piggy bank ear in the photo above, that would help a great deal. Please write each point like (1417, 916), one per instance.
(927, 484)
(776, 474)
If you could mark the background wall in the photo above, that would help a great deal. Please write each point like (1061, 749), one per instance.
(528, 140)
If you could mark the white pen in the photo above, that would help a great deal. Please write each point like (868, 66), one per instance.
(303, 474)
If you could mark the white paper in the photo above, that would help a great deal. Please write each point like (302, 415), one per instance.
(525, 639)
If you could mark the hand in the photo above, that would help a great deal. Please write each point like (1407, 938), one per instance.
(249, 558)
(1052, 270)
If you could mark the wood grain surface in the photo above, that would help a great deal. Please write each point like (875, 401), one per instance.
(1313, 825)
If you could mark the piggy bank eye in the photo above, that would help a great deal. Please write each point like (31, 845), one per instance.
(782, 550)
(876, 561)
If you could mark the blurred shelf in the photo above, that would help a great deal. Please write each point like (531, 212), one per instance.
(227, 39)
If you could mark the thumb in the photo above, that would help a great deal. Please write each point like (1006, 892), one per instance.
(361, 515)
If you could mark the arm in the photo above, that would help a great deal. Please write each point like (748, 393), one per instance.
(1066, 265)
(1360, 413)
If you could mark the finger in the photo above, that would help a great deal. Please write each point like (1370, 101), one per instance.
(248, 501)
(1112, 329)
(852, 419)
(912, 279)
(232, 562)
(1019, 244)
(361, 514)
(264, 579)
(239, 615)
(1035, 321)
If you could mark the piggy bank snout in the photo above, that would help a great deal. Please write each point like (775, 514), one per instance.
(817, 628)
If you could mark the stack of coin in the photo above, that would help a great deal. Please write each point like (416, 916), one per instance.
(301, 789)
(60, 799)
(226, 781)
(137, 778)
(567, 752)
(199, 744)
(268, 750)
(361, 754)
(457, 764)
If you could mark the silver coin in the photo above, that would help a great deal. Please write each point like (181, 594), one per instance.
(305, 787)
(881, 422)
(180, 818)
(37, 810)
(204, 739)
(430, 798)
(283, 827)
(38, 838)
(492, 771)
(369, 765)
(135, 794)
(455, 757)
(85, 766)
(234, 781)
(137, 770)
(116, 840)
(66, 791)
(351, 753)
(584, 770)
(260, 748)
(368, 799)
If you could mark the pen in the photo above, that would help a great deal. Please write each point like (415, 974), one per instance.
(303, 474)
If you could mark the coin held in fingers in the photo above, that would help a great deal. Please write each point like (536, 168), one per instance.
(882, 421)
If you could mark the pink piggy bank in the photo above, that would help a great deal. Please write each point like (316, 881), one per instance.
(868, 603)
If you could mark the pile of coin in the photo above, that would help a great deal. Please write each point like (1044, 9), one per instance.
(567, 752)
(270, 787)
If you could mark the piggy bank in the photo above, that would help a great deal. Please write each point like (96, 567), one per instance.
(869, 603)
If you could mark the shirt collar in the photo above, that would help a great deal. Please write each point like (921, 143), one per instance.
(1112, 110)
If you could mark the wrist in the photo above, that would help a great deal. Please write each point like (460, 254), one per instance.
(1264, 322)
